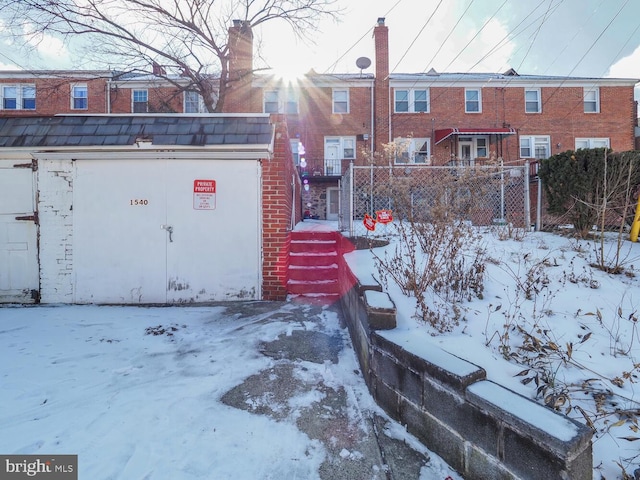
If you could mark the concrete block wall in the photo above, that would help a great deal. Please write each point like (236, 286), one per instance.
(55, 213)
(481, 429)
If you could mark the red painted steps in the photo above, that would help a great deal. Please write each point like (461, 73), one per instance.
(313, 267)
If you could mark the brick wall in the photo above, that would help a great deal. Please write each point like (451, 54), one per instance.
(160, 99)
(280, 212)
(53, 95)
(55, 200)
(562, 118)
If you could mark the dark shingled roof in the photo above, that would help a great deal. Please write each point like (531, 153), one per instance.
(104, 130)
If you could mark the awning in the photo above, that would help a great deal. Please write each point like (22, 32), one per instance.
(447, 132)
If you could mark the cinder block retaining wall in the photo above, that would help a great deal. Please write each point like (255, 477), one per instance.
(481, 429)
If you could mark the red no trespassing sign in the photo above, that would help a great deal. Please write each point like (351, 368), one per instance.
(204, 194)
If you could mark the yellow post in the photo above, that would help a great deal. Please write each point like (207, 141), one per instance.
(635, 226)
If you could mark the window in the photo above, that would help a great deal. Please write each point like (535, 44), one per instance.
(411, 101)
(340, 101)
(28, 97)
(472, 100)
(79, 97)
(10, 98)
(276, 101)
(532, 103)
(193, 103)
(140, 101)
(18, 97)
(413, 150)
(291, 104)
(535, 146)
(271, 101)
(481, 147)
(592, 143)
(591, 100)
(297, 151)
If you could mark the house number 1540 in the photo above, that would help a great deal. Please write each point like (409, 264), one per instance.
(139, 202)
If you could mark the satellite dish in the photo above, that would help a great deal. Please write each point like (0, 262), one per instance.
(363, 62)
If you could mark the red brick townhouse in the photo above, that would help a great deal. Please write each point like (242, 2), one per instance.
(336, 119)
(440, 118)
(52, 92)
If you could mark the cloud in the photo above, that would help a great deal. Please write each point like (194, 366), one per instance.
(51, 50)
(627, 67)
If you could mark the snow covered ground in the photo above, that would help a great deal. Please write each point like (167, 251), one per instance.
(137, 393)
(577, 333)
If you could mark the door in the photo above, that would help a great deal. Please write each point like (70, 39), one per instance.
(333, 203)
(19, 273)
(331, 156)
(465, 151)
(140, 236)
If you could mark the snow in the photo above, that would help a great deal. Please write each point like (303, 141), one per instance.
(576, 306)
(137, 392)
(536, 415)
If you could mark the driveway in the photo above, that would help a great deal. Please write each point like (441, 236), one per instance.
(247, 390)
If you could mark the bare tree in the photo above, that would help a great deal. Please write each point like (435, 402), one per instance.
(187, 38)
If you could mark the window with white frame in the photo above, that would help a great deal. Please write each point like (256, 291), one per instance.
(340, 100)
(472, 100)
(413, 151)
(140, 101)
(271, 101)
(532, 102)
(413, 100)
(18, 97)
(591, 100)
(592, 143)
(535, 146)
(280, 101)
(79, 97)
(193, 102)
(337, 149)
(296, 151)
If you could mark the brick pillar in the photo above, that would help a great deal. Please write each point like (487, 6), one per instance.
(381, 86)
(280, 199)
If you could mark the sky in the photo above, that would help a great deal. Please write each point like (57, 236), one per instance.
(592, 38)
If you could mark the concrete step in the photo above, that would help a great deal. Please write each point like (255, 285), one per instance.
(313, 273)
(309, 246)
(305, 287)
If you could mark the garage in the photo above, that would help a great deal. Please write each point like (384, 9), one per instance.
(18, 232)
(142, 233)
(155, 209)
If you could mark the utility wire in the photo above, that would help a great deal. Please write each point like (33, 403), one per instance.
(417, 36)
(334, 64)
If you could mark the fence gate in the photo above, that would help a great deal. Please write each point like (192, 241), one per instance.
(482, 195)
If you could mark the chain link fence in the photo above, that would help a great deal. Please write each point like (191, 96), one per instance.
(482, 195)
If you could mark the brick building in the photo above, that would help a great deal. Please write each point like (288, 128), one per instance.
(432, 118)
(55, 92)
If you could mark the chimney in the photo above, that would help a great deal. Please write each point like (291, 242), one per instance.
(240, 49)
(158, 69)
(381, 95)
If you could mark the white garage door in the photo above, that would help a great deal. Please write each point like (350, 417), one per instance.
(142, 234)
(19, 280)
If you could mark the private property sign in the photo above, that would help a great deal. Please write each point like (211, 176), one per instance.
(204, 194)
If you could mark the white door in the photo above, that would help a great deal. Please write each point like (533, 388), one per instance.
(333, 203)
(331, 156)
(465, 152)
(19, 274)
(139, 237)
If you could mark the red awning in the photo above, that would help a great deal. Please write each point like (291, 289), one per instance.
(447, 132)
